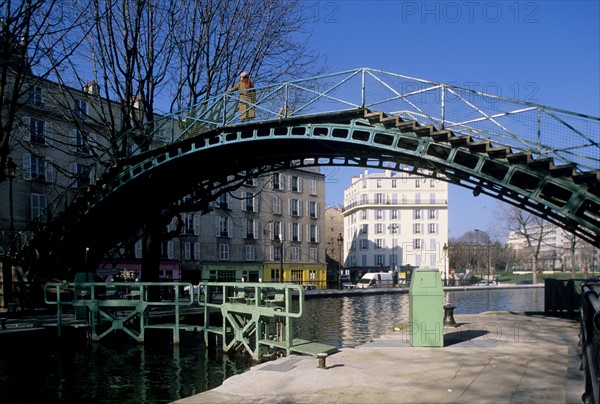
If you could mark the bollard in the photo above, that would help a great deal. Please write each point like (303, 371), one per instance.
(449, 315)
(322, 356)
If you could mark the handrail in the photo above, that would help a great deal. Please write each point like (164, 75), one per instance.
(93, 291)
(269, 295)
(590, 340)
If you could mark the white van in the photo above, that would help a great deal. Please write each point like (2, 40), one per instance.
(376, 280)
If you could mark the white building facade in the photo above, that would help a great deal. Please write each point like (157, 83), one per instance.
(393, 220)
(557, 250)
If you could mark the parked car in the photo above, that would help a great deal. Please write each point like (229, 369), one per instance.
(376, 280)
(346, 282)
(310, 287)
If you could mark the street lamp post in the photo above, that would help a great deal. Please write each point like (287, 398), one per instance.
(7, 275)
(392, 228)
(11, 169)
(445, 248)
(489, 248)
(280, 258)
(554, 264)
(340, 241)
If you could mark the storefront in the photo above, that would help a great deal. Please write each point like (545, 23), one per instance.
(300, 273)
(231, 272)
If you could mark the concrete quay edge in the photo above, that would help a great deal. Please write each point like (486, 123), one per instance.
(493, 357)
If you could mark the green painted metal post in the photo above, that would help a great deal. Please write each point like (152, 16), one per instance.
(426, 308)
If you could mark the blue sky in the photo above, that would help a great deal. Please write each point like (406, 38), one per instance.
(545, 52)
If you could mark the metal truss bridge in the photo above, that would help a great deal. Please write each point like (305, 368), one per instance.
(543, 160)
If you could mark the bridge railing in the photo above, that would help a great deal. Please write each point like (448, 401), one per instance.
(590, 341)
(546, 132)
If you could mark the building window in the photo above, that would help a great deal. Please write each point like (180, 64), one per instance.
(379, 260)
(313, 210)
(417, 214)
(37, 168)
(364, 229)
(296, 232)
(188, 223)
(416, 228)
(38, 206)
(223, 201)
(249, 228)
(250, 253)
(187, 251)
(295, 254)
(432, 214)
(250, 182)
(276, 205)
(276, 181)
(379, 228)
(277, 253)
(417, 243)
(379, 198)
(34, 95)
(82, 141)
(417, 183)
(432, 198)
(248, 202)
(379, 214)
(197, 251)
(313, 187)
(80, 108)
(364, 244)
(313, 230)
(364, 214)
(37, 131)
(379, 244)
(225, 227)
(295, 184)
(226, 276)
(379, 183)
(295, 207)
(312, 255)
(432, 228)
(395, 214)
(82, 175)
(394, 184)
(223, 252)
(432, 183)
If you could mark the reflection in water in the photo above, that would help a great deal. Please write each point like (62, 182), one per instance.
(351, 321)
(118, 370)
(115, 370)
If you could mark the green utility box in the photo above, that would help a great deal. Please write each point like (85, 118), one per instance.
(426, 308)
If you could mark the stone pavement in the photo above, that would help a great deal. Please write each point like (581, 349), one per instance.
(488, 358)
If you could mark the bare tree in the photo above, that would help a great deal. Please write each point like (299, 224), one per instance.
(532, 229)
(35, 41)
(218, 39)
(148, 56)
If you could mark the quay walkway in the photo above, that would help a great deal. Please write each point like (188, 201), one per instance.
(488, 358)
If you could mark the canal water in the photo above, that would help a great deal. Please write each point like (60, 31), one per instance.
(121, 371)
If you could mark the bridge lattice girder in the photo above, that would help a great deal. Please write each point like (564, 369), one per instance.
(139, 188)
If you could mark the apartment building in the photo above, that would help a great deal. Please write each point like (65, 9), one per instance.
(268, 230)
(271, 222)
(393, 220)
(556, 250)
